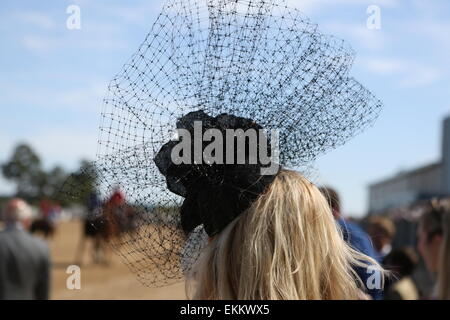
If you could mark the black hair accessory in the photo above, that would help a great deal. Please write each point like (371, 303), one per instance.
(216, 193)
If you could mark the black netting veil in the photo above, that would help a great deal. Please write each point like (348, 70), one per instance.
(254, 59)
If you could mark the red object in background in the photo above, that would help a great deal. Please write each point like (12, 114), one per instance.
(45, 207)
(118, 198)
(49, 210)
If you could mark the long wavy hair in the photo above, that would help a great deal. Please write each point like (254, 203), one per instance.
(287, 245)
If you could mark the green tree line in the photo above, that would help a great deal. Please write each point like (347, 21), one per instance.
(33, 183)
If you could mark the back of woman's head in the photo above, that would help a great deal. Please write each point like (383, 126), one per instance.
(285, 246)
(436, 222)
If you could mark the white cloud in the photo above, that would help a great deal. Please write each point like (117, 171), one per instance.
(310, 6)
(431, 8)
(94, 39)
(36, 19)
(420, 76)
(87, 98)
(140, 13)
(439, 32)
(65, 146)
(106, 32)
(407, 73)
(357, 33)
(384, 66)
(39, 44)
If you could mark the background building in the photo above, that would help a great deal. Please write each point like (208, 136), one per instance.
(408, 187)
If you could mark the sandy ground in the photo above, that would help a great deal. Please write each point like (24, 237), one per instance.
(113, 281)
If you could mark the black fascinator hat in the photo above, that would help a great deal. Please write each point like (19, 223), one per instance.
(217, 191)
(229, 64)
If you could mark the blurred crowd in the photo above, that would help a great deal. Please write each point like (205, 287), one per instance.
(412, 243)
(418, 259)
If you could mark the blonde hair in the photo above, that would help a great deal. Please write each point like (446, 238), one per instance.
(285, 246)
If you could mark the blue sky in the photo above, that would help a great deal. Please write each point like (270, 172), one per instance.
(53, 79)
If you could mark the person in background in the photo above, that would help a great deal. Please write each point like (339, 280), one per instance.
(434, 245)
(24, 259)
(356, 237)
(401, 262)
(382, 232)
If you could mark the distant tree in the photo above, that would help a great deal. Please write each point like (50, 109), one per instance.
(24, 169)
(33, 183)
(80, 185)
(53, 180)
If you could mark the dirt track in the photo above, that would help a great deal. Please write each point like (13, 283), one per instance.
(113, 281)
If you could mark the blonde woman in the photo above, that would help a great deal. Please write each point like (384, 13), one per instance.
(222, 95)
(285, 246)
(434, 245)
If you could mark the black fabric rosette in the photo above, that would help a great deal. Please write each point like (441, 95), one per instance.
(216, 193)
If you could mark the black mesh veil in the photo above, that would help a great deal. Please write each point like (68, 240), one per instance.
(255, 59)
